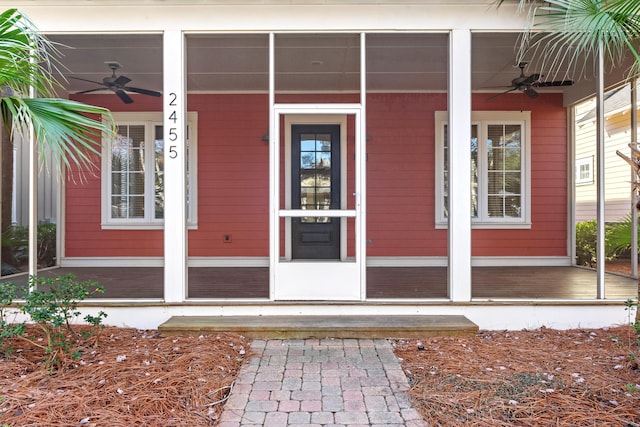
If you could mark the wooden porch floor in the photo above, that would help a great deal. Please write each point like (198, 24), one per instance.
(382, 282)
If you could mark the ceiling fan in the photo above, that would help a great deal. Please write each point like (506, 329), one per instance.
(117, 84)
(527, 84)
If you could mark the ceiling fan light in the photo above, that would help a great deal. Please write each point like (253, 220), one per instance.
(531, 93)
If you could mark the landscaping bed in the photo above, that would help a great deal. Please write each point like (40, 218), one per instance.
(130, 377)
(542, 377)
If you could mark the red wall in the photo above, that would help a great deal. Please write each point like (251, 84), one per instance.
(233, 180)
(400, 175)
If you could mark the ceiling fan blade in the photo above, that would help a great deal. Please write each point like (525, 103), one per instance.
(85, 80)
(496, 87)
(121, 81)
(531, 79)
(531, 93)
(123, 96)
(525, 80)
(557, 83)
(142, 91)
(92, 90)
(502, 93)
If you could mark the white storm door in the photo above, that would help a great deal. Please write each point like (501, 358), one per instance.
(315, 217)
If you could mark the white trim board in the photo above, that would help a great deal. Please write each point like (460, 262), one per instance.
(515, 316)
(112, 262)
(475, 262)
(250, 262)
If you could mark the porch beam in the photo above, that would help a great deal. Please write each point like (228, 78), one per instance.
(175, 167)
(459, 236)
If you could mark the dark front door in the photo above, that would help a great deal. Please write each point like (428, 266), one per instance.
(315, 185)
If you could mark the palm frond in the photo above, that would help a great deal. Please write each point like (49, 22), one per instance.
(566, 34)
(71, 131)
(27, 58)
(61, 126)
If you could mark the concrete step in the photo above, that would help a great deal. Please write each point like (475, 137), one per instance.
(301, 327)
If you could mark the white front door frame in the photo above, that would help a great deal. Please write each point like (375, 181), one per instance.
(340, 280)
(322, 119)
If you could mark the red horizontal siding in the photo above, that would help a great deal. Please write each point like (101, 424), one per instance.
(233, 177)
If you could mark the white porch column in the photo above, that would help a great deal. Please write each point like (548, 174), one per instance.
(634, 180)
(175, 166)
(33, 198)
(600, 219)
(459, 272)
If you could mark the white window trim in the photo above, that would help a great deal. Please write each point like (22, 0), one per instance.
(149, 120)
(587, 160)
(482, 119)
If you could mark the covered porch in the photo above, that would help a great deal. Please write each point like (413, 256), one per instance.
(383, 283)
(356, 166)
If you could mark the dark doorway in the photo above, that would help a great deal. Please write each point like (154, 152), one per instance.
(315, 185)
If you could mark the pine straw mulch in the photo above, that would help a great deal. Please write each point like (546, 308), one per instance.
(131, 377)
(542, 377)
(523, 378)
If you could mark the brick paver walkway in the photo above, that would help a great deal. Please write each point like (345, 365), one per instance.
(330, 382)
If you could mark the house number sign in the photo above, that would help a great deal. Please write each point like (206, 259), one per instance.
(173, 132)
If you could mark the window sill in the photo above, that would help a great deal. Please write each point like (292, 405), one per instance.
(140, 226)
(491, 225)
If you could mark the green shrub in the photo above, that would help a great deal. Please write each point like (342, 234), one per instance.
(586, 239)
(586, 243)
(52, 305)
(619, 235)
(46, 244)
(15, 245)
(8, 329)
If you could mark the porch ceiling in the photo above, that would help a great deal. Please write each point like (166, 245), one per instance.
(306, 63)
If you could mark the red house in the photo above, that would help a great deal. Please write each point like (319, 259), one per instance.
(344, 157)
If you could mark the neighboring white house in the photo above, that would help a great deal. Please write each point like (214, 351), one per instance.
(618, 176)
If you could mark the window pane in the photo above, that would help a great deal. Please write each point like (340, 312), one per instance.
(512, 159)
(307, 160)
(495, 182)
(315, 174)
(512, 183)
(584, 172)
(504, 164)
(124, 207)
(158, 174)
(445, 168)
(307, 142)
(474, 171)
(512, 136)
(496, 208)
(323, 160)
(512, 207)
(128, 174)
